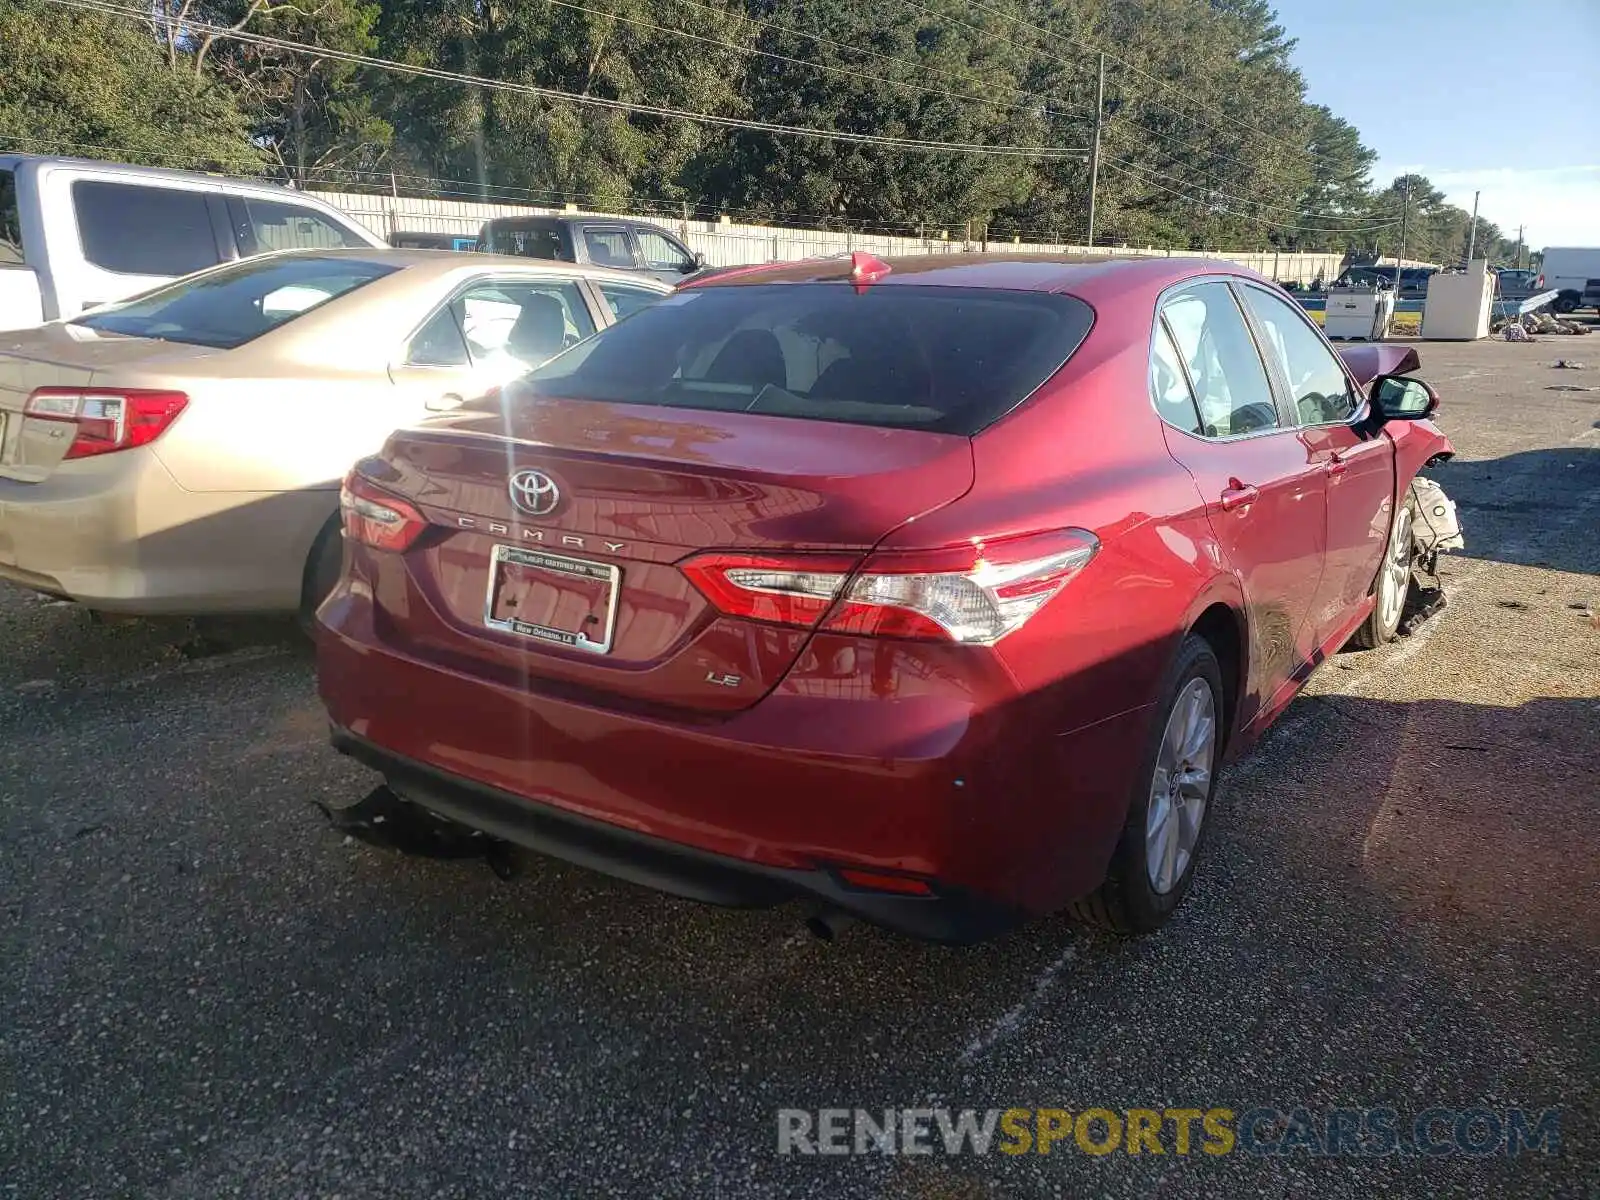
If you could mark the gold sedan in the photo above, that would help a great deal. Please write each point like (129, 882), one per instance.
(181, 452)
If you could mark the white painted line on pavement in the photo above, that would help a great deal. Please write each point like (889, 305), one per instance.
(1011, 1020)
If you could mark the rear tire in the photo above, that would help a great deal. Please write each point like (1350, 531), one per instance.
(1154, 860)
(1393, 586)
(321, 575)
(1565, 304)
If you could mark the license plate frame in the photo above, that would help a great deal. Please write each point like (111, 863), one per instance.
(559, 564)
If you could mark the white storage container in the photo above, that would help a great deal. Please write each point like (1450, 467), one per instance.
(1358, 314)
(1457, 306)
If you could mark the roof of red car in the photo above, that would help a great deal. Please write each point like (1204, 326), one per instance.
(1015, 272)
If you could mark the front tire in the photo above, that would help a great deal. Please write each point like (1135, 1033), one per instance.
(1392, 588)
(1154, 860)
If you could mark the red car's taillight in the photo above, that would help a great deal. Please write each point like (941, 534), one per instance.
(974, 593)
(375, 518)
(107, 419)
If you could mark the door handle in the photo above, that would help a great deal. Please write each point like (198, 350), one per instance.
(1238, 495)
(444, 403)
(1335, 465)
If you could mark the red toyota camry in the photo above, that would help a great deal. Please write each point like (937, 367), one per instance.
(933, 591)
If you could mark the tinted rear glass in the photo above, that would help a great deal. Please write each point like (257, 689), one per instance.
(540, 241)
(262, 226)
(10, 221)
(230, 306)
(946, 359)
(137, 230)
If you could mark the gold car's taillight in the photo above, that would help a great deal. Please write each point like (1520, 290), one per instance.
(107, 419)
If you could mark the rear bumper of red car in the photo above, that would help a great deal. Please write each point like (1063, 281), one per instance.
(972, 792)
(948, 914)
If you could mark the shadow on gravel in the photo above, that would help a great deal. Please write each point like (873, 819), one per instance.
(1473, 820)
(56, 640)
(1509, 504)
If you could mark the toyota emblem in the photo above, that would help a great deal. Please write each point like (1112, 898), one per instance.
(534, 492)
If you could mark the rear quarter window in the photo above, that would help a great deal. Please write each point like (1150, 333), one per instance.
(10, 222)
(134, 229)
(262, 226)
(944, 359)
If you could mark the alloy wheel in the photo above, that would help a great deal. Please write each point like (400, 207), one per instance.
(1396, 580)
(1180, 786)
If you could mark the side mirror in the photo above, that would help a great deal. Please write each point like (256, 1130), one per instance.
(1399, 398)
(699, 263)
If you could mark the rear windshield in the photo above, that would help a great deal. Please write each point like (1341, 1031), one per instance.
(232, 305)
(538, 241)
(946, 359)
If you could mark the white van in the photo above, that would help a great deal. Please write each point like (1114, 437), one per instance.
(75, 233)
(1574, 272)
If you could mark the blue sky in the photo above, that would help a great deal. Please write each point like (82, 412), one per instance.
(1493, 95)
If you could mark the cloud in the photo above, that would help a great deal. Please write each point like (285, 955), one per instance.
(1560, 205)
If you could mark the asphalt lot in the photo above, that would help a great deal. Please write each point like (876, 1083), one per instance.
(206, 992)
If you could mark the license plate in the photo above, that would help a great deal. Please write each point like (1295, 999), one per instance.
(568, 601)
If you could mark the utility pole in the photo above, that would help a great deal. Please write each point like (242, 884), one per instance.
(394, 213)
(1472, 237)
(1400, 258)
(1094, 156)
(1520, 228)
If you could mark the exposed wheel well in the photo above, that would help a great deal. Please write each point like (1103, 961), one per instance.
(326, 543)
(1220, 626)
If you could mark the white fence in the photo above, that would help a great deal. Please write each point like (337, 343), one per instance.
(727, 244)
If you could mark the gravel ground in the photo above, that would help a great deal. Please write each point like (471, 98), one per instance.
(206, 992)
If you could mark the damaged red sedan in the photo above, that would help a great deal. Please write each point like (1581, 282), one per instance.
(934, 591)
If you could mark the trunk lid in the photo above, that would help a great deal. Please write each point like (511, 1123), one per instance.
(68, 356)
(638, 489)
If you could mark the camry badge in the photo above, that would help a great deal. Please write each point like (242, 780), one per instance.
(534, 493)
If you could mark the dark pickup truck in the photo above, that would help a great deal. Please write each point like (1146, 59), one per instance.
(601, 241)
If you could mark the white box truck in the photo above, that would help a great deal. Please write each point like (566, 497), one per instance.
(75, 233)
(1574, 273)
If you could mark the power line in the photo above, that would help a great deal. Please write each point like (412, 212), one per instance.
(1146, 74)
(1208, 151)
(555, 94)
(820, 39)
(1048, 97)
(1121, 168)
(1261, 203)
(475, 190)
(801, 62)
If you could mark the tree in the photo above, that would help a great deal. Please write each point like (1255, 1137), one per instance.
(98, 86)
(312, 115)
(925, 74)
(641, 51)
